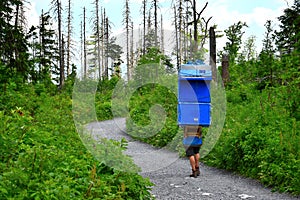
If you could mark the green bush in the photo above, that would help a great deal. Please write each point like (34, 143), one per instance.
(43, 157)
(260, 140)
(140, 126)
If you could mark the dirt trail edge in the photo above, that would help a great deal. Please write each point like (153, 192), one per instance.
(170, 173)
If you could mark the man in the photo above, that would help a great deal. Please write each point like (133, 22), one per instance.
(192, 142)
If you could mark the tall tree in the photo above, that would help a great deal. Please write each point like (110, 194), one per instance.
(47, 54)
(177, 38)
(162, 42)
(197, 21)
(234, 34)
(98, 36)
(20, 19)
(13, 44)
(288, 37)
(150, 36)
(155, 6)
(106, 45)
(144, 11)
(126, 21)
(267, 56)
(57, 9)
(103, 17)
(181, 29)
(84, 45)
(114, 50)
(131, 47)
(81, 48)
(249, 52)
(69, 36)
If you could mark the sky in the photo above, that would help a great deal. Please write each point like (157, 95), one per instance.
(224, 13)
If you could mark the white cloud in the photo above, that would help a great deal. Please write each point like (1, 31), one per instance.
(32, 15)
(255, 17)
(285, 3)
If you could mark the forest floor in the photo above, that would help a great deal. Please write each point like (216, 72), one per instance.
(170, 173)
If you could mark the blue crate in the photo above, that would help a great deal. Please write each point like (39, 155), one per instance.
(195, 73)
(194, 90)
(198, 68)
(194, 113)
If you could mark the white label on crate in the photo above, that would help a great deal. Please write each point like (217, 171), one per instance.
(196, 119)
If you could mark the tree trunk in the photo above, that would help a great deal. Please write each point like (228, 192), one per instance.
(103, 15)
(162, 42)
(98, 38)
(127, 20)
(131, 48)
(177, 40)
(106, 46)
(84, 45)
(155, 23)
(69, 38)
(144, 24)
(61, 61)
(186, 32)
(225, 69)
(195, 48)
(213, 52)
(181, 30)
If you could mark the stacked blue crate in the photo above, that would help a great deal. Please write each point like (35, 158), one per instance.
(194, 94)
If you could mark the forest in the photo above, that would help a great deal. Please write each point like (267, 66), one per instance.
(42, 156)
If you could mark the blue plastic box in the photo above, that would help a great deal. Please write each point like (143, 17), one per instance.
(194, 89)
(197, 68)
(194, 114)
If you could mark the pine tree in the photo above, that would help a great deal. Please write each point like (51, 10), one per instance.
(288, 37)
(57, 9)
(69, 37)
(84, 45)
(47, 54)
(126, 22)
(13, 45)
(98, 37)
(144, 11)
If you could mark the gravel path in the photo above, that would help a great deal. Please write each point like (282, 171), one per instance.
(170, 173)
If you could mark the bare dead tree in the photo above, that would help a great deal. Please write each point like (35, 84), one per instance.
(196, 22)
(84, 44)
(162, 42)
(106, 45)
(181, 29)
(98, 38)
(126, 22)
(144, 11)
(81, 46)
(155, 23)
(131, 47)
(69, 36)
(176, 39)
(56, 7)
(103, 16)
(213, 52)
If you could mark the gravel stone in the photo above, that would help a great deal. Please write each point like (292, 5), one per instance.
(170, 174)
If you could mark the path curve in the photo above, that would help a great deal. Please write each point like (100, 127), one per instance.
(170, 173)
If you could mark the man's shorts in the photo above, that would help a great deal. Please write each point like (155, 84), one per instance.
(190, 151)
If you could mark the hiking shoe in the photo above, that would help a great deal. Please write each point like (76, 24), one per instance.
(194, 174)
(197, 171)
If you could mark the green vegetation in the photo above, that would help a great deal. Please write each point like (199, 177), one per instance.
(261, 136)
(42, 155)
